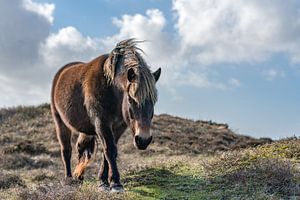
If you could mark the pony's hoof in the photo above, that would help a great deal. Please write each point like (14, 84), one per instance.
(79, 178)
(104, 187)
(116, 188)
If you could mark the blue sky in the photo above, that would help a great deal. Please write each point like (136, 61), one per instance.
(96, 17)
(230, 61)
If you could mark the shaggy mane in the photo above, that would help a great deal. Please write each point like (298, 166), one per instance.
(144, 87)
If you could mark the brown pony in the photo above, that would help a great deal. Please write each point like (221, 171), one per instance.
(100, 99)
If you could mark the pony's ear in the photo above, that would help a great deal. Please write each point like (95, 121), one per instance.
(111, 64)
(156, 74)
(131, 75)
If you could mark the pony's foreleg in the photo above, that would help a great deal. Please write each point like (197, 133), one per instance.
(110, 152)
(118, 130)
(103, 174)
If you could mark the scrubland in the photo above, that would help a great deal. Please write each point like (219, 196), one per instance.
(187, 160)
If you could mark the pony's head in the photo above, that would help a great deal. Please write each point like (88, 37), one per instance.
(126, 69)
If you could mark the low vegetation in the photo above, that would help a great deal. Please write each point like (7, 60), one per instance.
(187, 160)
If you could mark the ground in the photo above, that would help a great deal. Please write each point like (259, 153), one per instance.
(187, 160)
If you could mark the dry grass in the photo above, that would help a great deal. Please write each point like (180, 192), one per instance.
(187, 160)
(271, 169)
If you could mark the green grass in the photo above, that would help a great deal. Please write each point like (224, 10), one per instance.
(165, 183)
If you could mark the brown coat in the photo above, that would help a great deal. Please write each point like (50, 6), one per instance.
(83, 91)
(99, 99)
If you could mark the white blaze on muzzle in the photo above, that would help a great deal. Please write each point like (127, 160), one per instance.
(142, 137)
(143, 133)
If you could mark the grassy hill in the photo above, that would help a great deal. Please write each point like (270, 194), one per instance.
(187, 160)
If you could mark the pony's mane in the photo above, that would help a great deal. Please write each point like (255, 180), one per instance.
(144, 87)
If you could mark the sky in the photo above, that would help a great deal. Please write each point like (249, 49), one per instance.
(229, 61)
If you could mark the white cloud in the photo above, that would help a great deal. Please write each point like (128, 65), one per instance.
(46, 10)
(19, 92)
(23, 78)
(150, 27)
(234, 82)
(21, 33)
(227, 31)
(67, 45)
(153, 24)
(271, 74)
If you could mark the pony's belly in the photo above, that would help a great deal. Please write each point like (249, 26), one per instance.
(86, 128)
(76, 119)
(80, 122)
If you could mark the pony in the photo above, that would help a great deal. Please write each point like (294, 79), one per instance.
(100, 99)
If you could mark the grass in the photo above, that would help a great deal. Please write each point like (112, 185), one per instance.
(228, 166)
(177, 181)
(177, 178)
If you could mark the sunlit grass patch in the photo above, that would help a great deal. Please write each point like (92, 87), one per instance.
(177, 181)
(271, 170)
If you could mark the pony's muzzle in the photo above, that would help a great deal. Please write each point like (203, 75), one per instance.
(142, 143)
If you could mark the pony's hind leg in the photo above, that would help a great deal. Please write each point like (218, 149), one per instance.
(85, 147)
(64, 137)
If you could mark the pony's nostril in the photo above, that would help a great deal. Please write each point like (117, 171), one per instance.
(142, 143)
(137, 140)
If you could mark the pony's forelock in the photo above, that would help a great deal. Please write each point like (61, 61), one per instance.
(144, 87)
